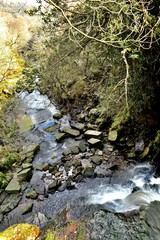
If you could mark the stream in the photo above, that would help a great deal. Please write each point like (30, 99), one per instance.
(129, 188)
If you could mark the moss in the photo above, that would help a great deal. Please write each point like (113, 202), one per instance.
(3, 181)
(7, 160)
(20, 232)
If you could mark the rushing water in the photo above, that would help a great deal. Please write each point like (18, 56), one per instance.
(140, 189)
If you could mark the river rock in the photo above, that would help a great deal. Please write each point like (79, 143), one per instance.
(86, 163)
(93, 134)
(25, 207)
(53, 128)
(94, 142)
(10, 203)
(53, 186)
(88, 172)
(96, 159)
(25, 174)
(78, 126)
(13, 186)
(57, 115)
(32, 194)
(24, 123)
(40, 220)
(37, 183)
(112, 136)
(59, 136)
(139, 146)
(74, 150)
(27, 165)
(71, 131)
(82, 146)
(66, 152)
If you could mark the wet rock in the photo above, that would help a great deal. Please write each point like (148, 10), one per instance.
(71, 132)
(45, 167)
(86, 163)
(74, 150)
(96, 159)
(40, 220)
(102, 171)
(24, 123)
(25, 207)
(38, 184)
(13, 186)
(53, 128)
(53, 186)
(32, 194)
(139, 146)
(29, 150)
(82, 146)
(57, 115)
(112, 136)
(41, 116)
(59, 136)
(88, 172)
(66, 152)
(39, 167)
(25, 175)
(62, 187)
(78, 178)
(93, 134)
(10, 203)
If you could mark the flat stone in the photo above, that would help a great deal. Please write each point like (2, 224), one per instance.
(26, 207)
(86, 163)
(53, 128)
(66, 152)
(13, 186)
(10, 203)
(94, 141)
(32, 148)
(59, 136)
(25, 174)
(53, 186)
(71, 131)
(78, 126)
(27, 165)
(96, 159)
(82, 146)
(112, 136)
(74, 150)
(93, 133)
(24, 123)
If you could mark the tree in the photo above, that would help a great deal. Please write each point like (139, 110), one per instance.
(129, 30)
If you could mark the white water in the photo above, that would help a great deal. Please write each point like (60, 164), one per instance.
(141, 189)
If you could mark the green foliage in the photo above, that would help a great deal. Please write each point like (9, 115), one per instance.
(3, 180)
(101, 53)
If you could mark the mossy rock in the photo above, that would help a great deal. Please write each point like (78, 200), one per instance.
(20, 232)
